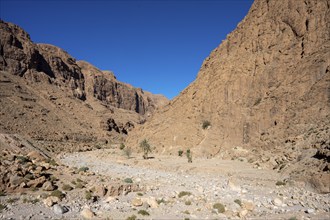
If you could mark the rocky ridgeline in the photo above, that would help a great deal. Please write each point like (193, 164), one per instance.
(50, 64)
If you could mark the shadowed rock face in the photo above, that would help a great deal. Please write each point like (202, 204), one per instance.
(104, 86)
(265, 87)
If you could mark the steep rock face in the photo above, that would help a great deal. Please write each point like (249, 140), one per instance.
(20, 56)
(265, 87)
(104, 86)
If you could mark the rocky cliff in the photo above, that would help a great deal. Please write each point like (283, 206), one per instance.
(48, 63)
(264, 91)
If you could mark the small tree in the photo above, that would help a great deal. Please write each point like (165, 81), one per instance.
(128, 151)
(189, 156)
(206, 124)
(145, 146)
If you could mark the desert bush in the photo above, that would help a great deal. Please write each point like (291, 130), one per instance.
(184, 193)
(2, 193)
(22, 159)
(140, 194)
(188, 202)
(145, 146)
(58, 194)
(237, 201)
(83, 169)
(280, 183)
(133, 217)
(189, 156)
(51, 162)
(12, 200)
(206, 124)
(219, 207)
(186, 212)
(180, 152)
(128, 180)
(67, 187)
(2, 207)
(128, 152)
(143, 212)
(88, 195)
(159, 201)
(122, 146)
(79, 185)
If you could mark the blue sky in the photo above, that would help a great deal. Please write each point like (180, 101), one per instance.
(157, 45)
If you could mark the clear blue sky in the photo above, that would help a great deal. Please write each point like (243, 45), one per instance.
(157, 45)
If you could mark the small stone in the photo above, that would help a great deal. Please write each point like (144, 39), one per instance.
(137, 202)
(86, 213)
(310, 211)
(59, 210)
(51, 200)
(248, 205)
(100, 191)
(243, 213)
(277, 202)
(48, 186)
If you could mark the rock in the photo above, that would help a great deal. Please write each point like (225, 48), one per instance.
(243, 213)
(86, 213)
(36, 156)
(110, 199)
(248, 205)
(15, 180)
(151, 202)
(51, 200)
(100, 190)
(277, 202)
(59, 210)
(137, 202)
(310, 211)
(48, 186)
(37, 182)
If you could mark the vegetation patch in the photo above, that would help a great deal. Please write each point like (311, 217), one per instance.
(128, 180)
(133, 217)
(67, 187)
(146, 148)
(58, 194)
(206, 124)
(2, 207)
(219, 207)
(188, 202)
(143, 212)
(83, 169)
(237, 201)
(184, 193)
(280, 183)
(180, 153)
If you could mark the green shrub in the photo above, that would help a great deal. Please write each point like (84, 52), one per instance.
(128, 152)
(22, 159)
(88, 195)
(83, 169)
(140, 194)
(2, 193)
(159, 201)
(128, 180)
(2, 207)
(184, 193)
(12, 200)
(280, 183)
(237, 201)
(79, 185)
(186, 212)
(146, 148)
(219, 207)
(133, 217)
(293, 218)
(58, 194)
(51, 162)
(79, 180)
(188, 202)
(180, 152)
(122, 146)
(143, 212)
(67, 187)
(189, 156)
(206, 124)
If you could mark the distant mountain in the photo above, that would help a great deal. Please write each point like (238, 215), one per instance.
(47, 95)
(264, 91)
